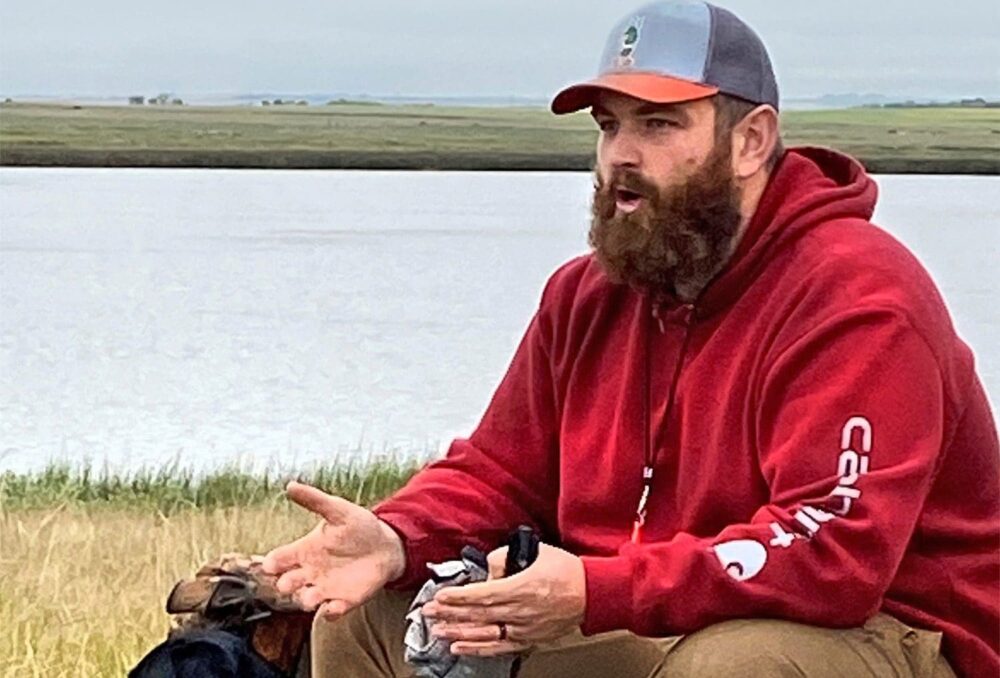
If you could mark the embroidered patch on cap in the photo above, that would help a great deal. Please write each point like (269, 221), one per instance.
(630, 38)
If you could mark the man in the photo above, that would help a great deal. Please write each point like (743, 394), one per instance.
(744, 425)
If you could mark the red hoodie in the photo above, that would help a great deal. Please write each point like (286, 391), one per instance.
(821, 448)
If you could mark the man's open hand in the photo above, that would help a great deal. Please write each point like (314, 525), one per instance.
(343, 561)
(544, 602)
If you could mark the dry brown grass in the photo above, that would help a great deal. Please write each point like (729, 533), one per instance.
(82, 588)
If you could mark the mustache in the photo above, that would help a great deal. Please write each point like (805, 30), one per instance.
(678, 238)
(625, 179)
(622, 179)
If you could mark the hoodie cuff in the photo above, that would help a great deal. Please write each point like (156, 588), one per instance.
(609, 594)
(415, 571)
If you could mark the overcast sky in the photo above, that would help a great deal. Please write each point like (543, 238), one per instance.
(530, 48)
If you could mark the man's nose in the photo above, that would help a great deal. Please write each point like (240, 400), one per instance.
(623, 151)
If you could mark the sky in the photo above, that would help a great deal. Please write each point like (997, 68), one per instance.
(466, 48)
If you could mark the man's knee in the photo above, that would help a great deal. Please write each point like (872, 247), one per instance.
(771, 647)
(742, 647)
(367, 641)
(384, 610)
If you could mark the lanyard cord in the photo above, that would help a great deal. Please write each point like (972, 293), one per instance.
(647, 449)
(672, 396)
(650, 446)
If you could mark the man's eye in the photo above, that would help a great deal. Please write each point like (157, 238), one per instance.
(660, 123)
(607, 125)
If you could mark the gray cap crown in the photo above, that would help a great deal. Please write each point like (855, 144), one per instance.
(695, 41)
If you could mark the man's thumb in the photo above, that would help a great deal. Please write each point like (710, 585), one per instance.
(497, 562)
(330, 508)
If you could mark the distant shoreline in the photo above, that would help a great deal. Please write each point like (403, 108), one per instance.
(320, 160)
(934, 140)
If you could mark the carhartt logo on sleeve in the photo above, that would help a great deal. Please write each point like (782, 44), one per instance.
(742, 558)
(851, 465)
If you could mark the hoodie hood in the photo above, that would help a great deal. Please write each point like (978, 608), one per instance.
(810, 186)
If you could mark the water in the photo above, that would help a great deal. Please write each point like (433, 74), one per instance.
(284, 317)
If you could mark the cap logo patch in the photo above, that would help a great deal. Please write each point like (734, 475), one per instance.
(630, 38)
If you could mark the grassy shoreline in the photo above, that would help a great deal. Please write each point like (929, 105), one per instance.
(87, 559)
(173, 489)
(355, 136)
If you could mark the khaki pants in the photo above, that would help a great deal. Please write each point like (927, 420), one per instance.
(368, 641)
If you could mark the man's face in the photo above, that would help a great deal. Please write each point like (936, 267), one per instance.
(666, 203)
(664, 143)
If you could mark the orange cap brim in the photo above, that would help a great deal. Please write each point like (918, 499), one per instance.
(652, 87)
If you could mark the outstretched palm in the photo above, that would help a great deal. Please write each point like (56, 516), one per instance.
(341, 562)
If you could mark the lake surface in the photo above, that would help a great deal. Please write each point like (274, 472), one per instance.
(278, 318)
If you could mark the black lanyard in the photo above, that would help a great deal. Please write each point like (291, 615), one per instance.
(651, 446)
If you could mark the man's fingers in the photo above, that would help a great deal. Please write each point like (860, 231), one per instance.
(464, 631)
(296, 578)
(309, 597)
(475, 614)
(331, 508)
(282, 558)
(492, 592)
(487, 649)
(497, 561)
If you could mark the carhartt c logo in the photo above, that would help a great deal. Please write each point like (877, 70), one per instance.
(742, 559)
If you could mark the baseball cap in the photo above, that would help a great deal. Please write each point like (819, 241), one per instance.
(679, 50)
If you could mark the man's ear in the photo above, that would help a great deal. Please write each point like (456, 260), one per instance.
(754, 139)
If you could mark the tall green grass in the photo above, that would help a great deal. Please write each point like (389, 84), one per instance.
(172, 488)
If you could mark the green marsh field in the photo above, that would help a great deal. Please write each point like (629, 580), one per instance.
(379, 136)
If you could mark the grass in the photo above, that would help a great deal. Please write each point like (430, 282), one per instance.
(352, 135)
(86, 560)
(172, 489)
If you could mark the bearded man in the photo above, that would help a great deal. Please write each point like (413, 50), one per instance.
(744, 425)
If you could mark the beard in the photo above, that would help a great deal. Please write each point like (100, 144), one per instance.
(678, 238)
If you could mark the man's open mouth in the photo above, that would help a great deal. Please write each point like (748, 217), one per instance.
(627, 201)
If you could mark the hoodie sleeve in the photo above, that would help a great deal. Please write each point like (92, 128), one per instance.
(505, 474)
(849, 428)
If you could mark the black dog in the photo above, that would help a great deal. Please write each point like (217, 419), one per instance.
(231, 621)
(205, 653)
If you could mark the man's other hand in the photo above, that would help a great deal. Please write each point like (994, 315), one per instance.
(343, 561)
(544, 602)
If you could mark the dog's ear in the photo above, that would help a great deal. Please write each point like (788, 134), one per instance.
(215, 597)
(189, 595)
(231, 596)
(231, 600)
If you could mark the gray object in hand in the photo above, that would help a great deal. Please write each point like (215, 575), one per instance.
(429, 656)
